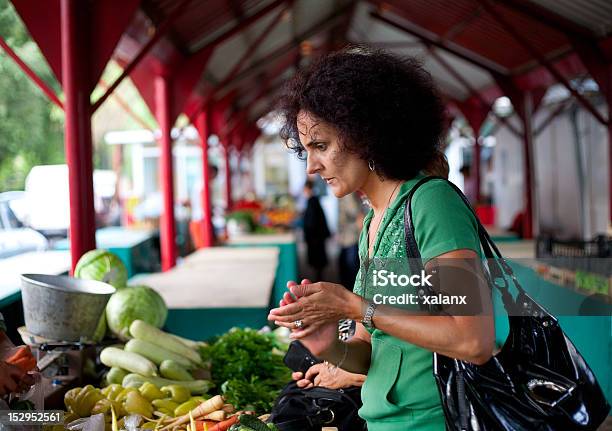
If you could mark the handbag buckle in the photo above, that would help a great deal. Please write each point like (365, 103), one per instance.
(543, 390)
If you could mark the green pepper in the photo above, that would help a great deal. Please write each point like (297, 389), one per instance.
(178, 393)
(165, 404)
(122, 396)
(150, 391)
(82, 401)
(111, 391)
(186, 407)
(137, 404)
(104, 406)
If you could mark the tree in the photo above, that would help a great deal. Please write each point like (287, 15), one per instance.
(30, 125)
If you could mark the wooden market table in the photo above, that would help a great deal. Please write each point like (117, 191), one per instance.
(217, 288)
(288, 257)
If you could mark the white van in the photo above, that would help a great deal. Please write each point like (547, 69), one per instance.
(49, 199)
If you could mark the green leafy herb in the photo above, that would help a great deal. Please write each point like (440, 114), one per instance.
(246, 368)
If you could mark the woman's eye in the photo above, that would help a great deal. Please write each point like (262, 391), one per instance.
(321, 147)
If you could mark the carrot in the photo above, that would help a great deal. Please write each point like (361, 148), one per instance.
(206, 407)
(224, 426)
(21, 352)
(209, 424)
(25, 364)
(23, 359)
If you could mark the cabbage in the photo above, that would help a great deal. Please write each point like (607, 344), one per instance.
(102, 265)
(137, 302)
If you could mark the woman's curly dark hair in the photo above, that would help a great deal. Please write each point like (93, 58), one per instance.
(386, 109)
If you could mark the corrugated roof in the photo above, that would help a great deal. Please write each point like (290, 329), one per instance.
(312, 27)
(595, 15)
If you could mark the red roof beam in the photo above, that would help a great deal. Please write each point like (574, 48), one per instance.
(471, 90)
(464, 54)
(126, 107)
(245, 57)
(550, 19)
(241, 26)
(264, 62)
(543, 61)
(31, 74)
(161, 31)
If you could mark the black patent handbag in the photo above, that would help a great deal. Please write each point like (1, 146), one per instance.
(538, 380)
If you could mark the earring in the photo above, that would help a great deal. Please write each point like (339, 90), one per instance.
(371, 165)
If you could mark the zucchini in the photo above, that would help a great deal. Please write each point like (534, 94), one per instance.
(156, 353)
(194, 386)
(115, 375)
(143, 331)
(193, 345)
(172, 370)
(133, 362)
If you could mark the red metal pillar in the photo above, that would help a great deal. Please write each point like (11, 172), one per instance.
(77, 86)
(475, 113)
(203, 125)
(526, 114)
(167, 226)
(228, 176)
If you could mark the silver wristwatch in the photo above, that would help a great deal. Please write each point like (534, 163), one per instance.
(367, 317)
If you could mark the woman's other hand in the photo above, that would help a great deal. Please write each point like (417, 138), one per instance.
(327, 376)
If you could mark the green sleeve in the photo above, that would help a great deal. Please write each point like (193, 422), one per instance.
(442, 221)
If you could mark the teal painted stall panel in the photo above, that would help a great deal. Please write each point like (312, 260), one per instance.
(592, 335)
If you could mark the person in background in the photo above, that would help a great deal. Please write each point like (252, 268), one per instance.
(350, 220)
(13, 379)
(316, 231)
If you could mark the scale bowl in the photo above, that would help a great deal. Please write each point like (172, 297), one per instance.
(63, 308)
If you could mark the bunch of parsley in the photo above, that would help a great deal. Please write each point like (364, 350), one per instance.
(247, 368)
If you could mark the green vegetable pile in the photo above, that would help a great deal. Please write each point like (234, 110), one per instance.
(251, 423)
(248, 368)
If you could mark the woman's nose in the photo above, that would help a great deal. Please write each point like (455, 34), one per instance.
(312, 165)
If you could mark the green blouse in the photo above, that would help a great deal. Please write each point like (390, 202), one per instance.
(400, 391)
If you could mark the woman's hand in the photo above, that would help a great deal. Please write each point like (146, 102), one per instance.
(11, 378)
(317, 342)
(317, 305)
(327, 376)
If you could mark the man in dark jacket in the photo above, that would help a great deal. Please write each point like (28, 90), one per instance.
(316, 231)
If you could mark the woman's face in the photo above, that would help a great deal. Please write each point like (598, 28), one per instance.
(343, 171)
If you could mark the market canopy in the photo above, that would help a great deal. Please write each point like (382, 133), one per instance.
(221, 62)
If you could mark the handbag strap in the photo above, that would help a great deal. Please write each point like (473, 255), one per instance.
(497, 265)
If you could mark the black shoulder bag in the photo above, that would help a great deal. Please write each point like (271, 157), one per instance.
(538, 381)
(298, 409)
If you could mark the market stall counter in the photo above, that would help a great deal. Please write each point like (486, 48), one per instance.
(288, 260)
(217, 288)
(558, 291)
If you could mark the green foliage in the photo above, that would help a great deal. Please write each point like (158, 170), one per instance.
(30, 126)
(245, 366)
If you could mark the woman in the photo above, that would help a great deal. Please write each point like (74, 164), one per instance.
(371, 122)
